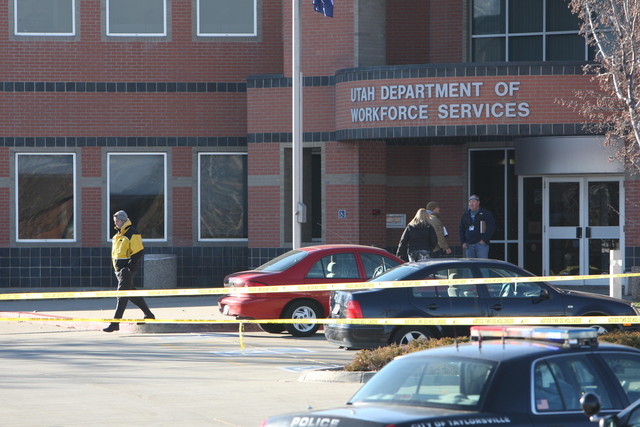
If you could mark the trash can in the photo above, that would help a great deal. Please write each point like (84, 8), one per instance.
(160, 271)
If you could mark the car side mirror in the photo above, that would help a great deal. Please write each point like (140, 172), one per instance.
(544, 295)
(590, 403)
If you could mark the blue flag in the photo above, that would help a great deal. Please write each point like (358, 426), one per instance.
(324, 6)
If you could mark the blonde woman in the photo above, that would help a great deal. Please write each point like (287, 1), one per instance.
(418, 239)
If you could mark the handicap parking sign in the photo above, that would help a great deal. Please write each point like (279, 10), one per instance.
(342, 213)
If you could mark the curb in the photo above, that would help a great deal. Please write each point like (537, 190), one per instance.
(142, 328)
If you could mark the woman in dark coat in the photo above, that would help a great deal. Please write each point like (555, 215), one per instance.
(418, 239)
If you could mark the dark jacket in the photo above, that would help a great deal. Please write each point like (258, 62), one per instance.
(488, 226)
(415, 238)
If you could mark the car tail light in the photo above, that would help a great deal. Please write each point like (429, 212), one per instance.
(354, 311)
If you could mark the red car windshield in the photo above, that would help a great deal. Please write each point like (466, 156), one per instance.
(284, 261)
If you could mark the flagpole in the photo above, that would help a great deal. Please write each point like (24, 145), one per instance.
(296, 158)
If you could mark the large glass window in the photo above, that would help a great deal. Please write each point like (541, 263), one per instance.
(222, 18)
(222, 196)
(146, 18)
(526, 30)
(492, 176)
(138, 185)
(45, 199)
(44, 17)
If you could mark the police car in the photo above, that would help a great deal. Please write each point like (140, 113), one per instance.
(507, 375)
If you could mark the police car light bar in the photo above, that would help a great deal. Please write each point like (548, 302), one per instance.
(565, 336)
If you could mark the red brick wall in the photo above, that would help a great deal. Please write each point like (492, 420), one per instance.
(183, 213)
(91, 162)
(123, 114)
(372, 192)
(175, 58)
(5, 223)
(91, 223)
(327, 43)
(632, 200)
(264, 222)
(445, 33)
(182, 164)
(4, 162)
(408, 24)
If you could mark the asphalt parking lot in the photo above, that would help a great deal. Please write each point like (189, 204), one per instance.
(70, 373)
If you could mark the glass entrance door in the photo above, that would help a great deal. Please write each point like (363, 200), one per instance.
(582, 224)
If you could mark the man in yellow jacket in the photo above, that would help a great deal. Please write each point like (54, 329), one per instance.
(126, 253)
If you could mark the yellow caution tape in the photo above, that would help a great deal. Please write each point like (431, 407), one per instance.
(447, 321)
(300, 288)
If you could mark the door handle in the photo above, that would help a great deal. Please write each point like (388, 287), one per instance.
(578, 232)
(432, 306)
(588, 232)
(496, 307)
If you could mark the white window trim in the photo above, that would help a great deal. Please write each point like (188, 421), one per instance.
(255, 24)
(164, 24)
(75, 199)
(166, 196)
(73, 23)
(200, 238)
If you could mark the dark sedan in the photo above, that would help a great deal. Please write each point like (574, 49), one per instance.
(500, 299)
(528, 376)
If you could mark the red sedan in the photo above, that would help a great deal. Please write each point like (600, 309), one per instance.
(308, 265)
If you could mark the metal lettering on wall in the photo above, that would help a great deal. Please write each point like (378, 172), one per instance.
(467, 91)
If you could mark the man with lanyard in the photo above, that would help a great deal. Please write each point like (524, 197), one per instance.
(126, 253)
(476, 229)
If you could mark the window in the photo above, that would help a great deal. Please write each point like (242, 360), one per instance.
(451, 291)
(222, 196)
(560, 381)
(138, 185)
(509, 289)
(526, 30)
(44, 17)
(342, 266)
(139, 18)
(627, 371)
(45, 199)
(375, 265)
(227, 18)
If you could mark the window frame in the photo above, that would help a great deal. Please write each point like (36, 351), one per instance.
(164, 33)
(75, 196)
(508, 35)
(199, 32)
(109, 212)
(199, 197)
(45, 34)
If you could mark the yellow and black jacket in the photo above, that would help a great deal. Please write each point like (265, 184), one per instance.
(126, 249)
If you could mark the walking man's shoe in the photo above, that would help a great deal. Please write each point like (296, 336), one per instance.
(112, 327)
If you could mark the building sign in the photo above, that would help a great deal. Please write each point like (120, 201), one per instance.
(425, 101)
(396, 220)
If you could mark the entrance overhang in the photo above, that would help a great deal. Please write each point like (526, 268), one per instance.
(565, 155)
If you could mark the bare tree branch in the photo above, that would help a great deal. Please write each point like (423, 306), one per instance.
(612, 27)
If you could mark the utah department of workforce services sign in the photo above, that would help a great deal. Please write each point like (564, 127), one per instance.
(469, 93)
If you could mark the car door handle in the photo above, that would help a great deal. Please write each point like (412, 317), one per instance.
(496, 307)
(432, 306)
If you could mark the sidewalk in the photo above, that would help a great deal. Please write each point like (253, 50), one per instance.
(95, 313)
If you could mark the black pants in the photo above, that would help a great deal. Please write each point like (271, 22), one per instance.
(125, 283)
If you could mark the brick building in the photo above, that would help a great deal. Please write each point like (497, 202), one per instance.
(179, 112)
